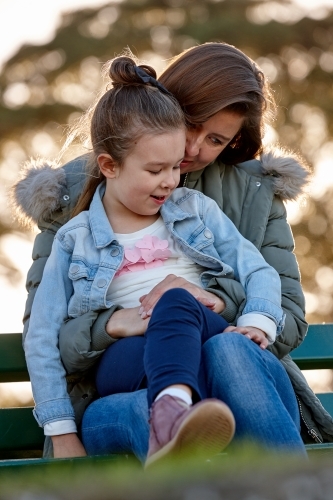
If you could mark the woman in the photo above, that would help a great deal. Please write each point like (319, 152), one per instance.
(212, 82)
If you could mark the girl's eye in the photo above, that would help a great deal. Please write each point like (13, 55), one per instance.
(153, 172)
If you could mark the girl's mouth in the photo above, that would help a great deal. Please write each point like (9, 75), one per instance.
(159, 199)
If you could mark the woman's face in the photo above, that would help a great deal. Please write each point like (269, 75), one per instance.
(206, 141)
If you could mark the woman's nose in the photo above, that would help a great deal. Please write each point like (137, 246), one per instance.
(192, 147)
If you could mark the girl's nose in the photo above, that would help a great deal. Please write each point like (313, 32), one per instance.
(171, 180)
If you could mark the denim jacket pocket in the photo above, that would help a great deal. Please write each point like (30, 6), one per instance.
(78, 270)
(82, 276)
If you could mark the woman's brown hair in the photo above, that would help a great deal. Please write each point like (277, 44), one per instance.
(212, 77)
(134, 105)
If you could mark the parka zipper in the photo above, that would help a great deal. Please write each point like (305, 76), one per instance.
(315, 436)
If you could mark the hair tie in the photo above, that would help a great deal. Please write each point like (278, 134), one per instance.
(145, 78)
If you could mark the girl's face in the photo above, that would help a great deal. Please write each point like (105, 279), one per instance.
(148, 175)
(206, 141)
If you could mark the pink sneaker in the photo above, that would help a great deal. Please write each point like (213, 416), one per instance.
(176, 428)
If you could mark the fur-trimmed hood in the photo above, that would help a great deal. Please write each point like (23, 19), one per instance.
(38, 192)
(290, 171)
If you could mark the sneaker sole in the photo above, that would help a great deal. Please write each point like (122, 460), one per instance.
(206, 431)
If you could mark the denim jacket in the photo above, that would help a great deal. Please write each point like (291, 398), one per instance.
(85, 257)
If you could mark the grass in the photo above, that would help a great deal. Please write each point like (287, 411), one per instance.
(248, 474)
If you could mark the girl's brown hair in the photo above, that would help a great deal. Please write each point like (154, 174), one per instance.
(128, 109)
(212, 77)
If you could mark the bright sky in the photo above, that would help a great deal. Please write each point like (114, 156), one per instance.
(33, 21)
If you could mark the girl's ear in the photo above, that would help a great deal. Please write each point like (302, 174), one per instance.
(107, 165)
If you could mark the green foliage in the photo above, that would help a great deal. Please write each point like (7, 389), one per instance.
(42, 86)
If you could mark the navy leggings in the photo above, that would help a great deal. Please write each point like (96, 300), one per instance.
(168, 354)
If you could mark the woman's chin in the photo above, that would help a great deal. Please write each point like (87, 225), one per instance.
(187, 166)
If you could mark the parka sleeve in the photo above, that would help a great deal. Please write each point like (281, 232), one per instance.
(277, 249)
(40, 253)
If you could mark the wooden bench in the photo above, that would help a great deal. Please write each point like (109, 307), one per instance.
(21, 440)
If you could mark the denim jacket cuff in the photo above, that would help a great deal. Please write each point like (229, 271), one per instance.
(53, 410)
(100, 339)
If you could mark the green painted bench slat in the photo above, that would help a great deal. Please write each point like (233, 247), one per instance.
(13, 367)
(316, 351)
(72, 463)
(326, 400)
(19, 430)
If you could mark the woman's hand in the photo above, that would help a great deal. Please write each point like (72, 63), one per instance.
(208, 299)
(258, 336)
(126, 323)
(67, 446)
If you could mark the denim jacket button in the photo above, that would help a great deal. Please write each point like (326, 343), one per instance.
(101, 283)
(75, 269)
(114, 252)
(258, 184)
(207, 234)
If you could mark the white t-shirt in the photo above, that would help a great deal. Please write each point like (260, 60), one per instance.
(150, 255)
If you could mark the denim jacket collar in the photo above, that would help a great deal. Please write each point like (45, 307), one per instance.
(101, 229)
(171, 211)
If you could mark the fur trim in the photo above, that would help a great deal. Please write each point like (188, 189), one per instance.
(38, 193)
(291, 173)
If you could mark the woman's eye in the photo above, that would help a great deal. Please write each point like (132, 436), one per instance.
(154, 173)
(216, 141)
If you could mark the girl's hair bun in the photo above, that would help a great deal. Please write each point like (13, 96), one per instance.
(122, 71)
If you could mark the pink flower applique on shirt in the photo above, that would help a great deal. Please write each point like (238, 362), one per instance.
(149, 252)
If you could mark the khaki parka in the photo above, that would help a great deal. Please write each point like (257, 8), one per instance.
(251, 194)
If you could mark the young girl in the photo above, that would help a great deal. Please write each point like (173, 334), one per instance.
(133, 228)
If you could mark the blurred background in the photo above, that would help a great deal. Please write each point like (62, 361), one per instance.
(50, 61)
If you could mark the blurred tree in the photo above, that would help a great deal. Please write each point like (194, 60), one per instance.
(43, 88)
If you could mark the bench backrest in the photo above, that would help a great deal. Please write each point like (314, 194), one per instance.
(19, 430)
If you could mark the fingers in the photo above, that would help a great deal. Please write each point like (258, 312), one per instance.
(264, 343)
(231, 329)
(171, 281)
(207, 302)
(237, 329)
(149, 300)
(254, 334)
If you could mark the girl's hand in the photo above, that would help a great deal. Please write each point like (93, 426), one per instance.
(258, 336)
(126, 323)
(67, 446)
(208, 299)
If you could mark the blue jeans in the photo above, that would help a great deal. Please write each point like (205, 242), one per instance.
(170, 353)
(250, 380)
